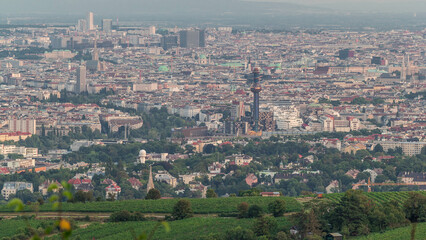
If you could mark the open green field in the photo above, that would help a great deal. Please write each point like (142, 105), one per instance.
(377, 197)
(199, 206)
(13, 226)
(202, 206)
(192, 228)
(397, 234)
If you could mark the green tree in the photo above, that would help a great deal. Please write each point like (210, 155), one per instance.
(415, 211)
(255, 211)
(307, 221)
(153, 194)
(189, 148)
(209, 148)
(277, 207)
(239, 233)
(81, 196)
(415, 207)
(211, 193)
(282, 236)
(378, 148)
(352, 212)
(182, 209)
(265, 225)
(242, 209)
(25, 195)
(15, 156)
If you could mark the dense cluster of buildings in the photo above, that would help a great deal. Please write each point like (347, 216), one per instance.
(231, 83)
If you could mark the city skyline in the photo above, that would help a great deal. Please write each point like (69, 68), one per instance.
(295, 119)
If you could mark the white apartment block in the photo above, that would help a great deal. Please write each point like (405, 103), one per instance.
(21, 163)
(22, 125)
(12, 149)
(408, 148)
(10, 188)
(287, 117)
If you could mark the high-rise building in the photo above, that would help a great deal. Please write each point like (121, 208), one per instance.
(256, 88)
(152, 30)
(192, 38)
(237, 110)
(346, 53)
(106, 25)
(168, 42)
(22, 125)
(58, 42)
(202, 37)
(81, 25)
(81, 80)
(403, 75)
(90, 25)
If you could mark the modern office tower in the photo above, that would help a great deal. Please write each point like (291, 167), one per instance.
(168, 42)
(152, 30)
(22, 125)
(346, 53)
(237, 110)
(378, 61)
(58, 42)
(106, 25)
(81, 25)
(403, 75)
(81, 80)
(256, 88)
(202, 37)
(192, 38)
(90, 25)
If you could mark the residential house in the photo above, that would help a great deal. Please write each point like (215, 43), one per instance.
(215, 168)
(353, 173)
(84, 185)
(251, 179)
(287, 176)
(43, 188)
(186, 179)
(332, 187)
(411, 177)
(112, 191)
(239, 160)
(353, 148)
(164, 176)
(270, 194)
(197, 186)
(135, 183)
(108, 181)
(4, 171)
(10, 188)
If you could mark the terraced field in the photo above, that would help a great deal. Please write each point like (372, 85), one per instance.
(192, 228)
(397, 234)
(378, 197)
(199, 206)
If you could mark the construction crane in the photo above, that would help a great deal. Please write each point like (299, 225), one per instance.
(369, 184)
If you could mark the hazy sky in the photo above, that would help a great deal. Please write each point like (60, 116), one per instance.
(11, 7)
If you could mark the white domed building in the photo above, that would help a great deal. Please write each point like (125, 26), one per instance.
(142, 156)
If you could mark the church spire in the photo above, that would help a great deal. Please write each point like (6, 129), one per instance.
(150, 181)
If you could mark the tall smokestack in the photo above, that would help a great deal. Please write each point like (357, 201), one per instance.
(256, 88)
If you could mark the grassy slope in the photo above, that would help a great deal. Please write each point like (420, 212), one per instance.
(397, 234)
(12, 227)
(192, 228)
(199, 206)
